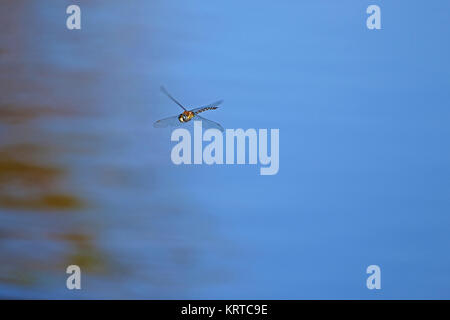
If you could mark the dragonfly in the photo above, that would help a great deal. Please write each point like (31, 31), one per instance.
(188, 115)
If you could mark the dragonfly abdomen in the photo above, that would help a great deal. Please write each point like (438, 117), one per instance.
(205, 109)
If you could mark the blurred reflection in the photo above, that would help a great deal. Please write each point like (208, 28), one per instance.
(77, 184)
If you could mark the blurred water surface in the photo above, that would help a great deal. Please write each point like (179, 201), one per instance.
(364, 175)
(79, 180)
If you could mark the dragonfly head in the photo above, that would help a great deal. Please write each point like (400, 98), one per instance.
(183, 118)
(186, 116)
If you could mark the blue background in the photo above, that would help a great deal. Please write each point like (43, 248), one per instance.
(364, 159)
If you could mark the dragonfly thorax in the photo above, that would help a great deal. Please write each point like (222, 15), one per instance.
(186, 116)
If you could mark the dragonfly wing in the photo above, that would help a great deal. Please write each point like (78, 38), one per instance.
(208, 106)
(171, 121)
(172, 98)
(208, 124)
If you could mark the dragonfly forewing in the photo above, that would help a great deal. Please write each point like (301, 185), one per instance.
(171, 121)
